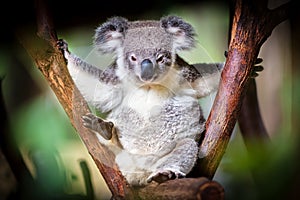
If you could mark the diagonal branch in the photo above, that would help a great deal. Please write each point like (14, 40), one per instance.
(51, 63)
(252, 25)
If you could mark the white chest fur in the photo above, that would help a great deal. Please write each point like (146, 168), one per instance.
(146, 100)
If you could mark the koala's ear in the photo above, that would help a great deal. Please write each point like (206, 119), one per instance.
(182, 32)
(110, 35)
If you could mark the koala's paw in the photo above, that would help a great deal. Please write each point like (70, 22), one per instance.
(256, 68)
(104, 128)
(62, 45)
(164, 175)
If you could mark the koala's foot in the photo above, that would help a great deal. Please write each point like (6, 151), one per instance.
(177, 163)
(164, 175)
(104, 128)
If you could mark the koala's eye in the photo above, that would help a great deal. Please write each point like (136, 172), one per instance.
(132, 58)
(160, 58)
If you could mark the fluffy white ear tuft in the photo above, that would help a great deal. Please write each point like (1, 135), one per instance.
(183, 33)
(110, 35)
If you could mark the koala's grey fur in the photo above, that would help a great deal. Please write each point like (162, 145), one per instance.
(150, 95)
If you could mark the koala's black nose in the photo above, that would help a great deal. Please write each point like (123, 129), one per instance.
(147, 69)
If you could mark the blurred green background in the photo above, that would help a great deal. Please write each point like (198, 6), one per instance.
(54, 153)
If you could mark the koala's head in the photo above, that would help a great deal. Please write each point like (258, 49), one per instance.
(145, 49)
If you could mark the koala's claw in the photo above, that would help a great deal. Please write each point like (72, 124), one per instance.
(164, 175)
(226, 54)
(62, 45)
(256, 67)
(258, 61)
(104, 128)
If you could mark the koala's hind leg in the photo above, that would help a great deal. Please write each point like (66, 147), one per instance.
(104, 128)
(178, 163)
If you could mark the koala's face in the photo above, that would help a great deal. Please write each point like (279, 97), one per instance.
(148, 65)
(145, 49)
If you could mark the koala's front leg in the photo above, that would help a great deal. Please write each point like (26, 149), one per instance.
(74, 61)
(177, 163)
(86, 83)
(104, 128)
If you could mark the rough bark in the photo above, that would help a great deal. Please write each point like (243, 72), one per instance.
(187, 188)
(250, 119)
(252, 24)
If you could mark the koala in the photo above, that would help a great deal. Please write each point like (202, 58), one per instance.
(149, 94)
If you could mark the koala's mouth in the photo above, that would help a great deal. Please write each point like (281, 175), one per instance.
(149, 80)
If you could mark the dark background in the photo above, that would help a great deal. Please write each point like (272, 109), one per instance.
(67, 14)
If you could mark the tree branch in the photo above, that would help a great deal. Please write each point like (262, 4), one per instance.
(186, 188)
(51, 63)
(252, 25)
(250, 120)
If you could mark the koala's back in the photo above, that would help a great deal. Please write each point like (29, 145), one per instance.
(151, 124)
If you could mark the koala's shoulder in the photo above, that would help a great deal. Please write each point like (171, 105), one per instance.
(188, 72)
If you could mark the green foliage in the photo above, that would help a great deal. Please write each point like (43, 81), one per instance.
(40, 124)
(40, 129)
(260, 170)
